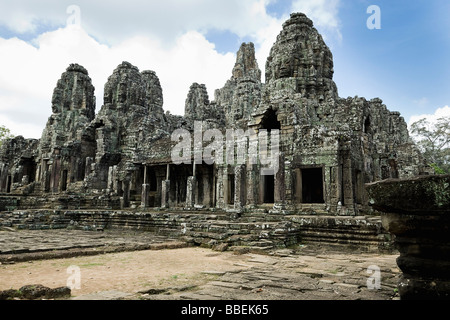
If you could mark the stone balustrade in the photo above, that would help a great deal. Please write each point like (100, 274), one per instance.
(417, 212)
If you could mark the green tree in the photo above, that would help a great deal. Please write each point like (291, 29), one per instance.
(5, 133)
(433, 140)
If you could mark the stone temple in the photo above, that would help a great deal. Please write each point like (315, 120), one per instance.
(120, 160)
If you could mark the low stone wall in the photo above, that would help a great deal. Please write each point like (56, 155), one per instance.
(60, 202)
(261, 231)
(360, 232)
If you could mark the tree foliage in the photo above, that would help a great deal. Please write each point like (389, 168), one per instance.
(434, 141)
(5, 134)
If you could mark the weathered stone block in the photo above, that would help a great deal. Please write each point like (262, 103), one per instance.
(417, 212)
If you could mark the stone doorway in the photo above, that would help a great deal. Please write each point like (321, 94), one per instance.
(64, 180)
(312, 185)
(268, 189)
(270, 121)
(231, 188)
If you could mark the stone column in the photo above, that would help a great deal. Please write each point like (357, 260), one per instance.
(280, 185)
(214, 187)
(220, 188)
(115, 184)
(88, 167)
(110, 186)
(47, 178)
(190, 192)
(239, 187)
(145, 190)
(251, 187)
(226, 192)
(144, 196)
(126, 194)
(165, 189)
(56, 174)
(417, 212)
(348, 188)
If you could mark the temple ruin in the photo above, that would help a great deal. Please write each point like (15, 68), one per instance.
(120, 158)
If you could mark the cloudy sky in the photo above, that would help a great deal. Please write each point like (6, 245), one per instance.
(405, 62)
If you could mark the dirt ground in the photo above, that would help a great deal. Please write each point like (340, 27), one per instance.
(127, 271)
(196, 273)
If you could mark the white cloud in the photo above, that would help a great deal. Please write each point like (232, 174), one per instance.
(324, 13)
(431, 118)
(30, 74)
(165, 36)
(113, 22)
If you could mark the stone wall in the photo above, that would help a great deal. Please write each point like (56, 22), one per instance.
(258, 230)
(329, 146)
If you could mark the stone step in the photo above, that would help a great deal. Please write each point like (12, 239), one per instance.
(206, 225)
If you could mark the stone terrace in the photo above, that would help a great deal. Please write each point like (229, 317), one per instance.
(260, 230)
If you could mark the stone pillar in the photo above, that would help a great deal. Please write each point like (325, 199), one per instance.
(47, 178)
(417, 212)
(126, 194)
(226, 192)
(88, 167)
(145, 190)
(145, 196)
(220, 188)
(115, 183)
(214, 187)
(239, 187)
(110, 186)
(280, 185)
(165, 190)
(251, 187)
(348, 188)
(56, 173)
(207, 192)
(190, 192)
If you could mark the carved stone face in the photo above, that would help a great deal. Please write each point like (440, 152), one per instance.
(301, 53)
(286, 67)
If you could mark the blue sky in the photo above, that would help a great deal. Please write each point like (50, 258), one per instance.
(405, 63)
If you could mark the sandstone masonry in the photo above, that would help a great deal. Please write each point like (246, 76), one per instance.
(330, 147)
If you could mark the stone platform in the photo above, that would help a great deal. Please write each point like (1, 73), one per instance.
(211, 228)
(28, 245)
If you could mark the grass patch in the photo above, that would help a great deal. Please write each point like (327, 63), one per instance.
(90, 265)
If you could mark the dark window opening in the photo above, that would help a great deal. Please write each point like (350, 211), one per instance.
(152, 180)
(312, 185)
(29, 169)
(200, 187)
(8, 184)
(64, 180)
(81, 170)
(231, 189)
(269, 189)
(367, 125)
(270, 121)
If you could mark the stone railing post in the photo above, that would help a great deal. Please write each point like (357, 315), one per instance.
(417, 212)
